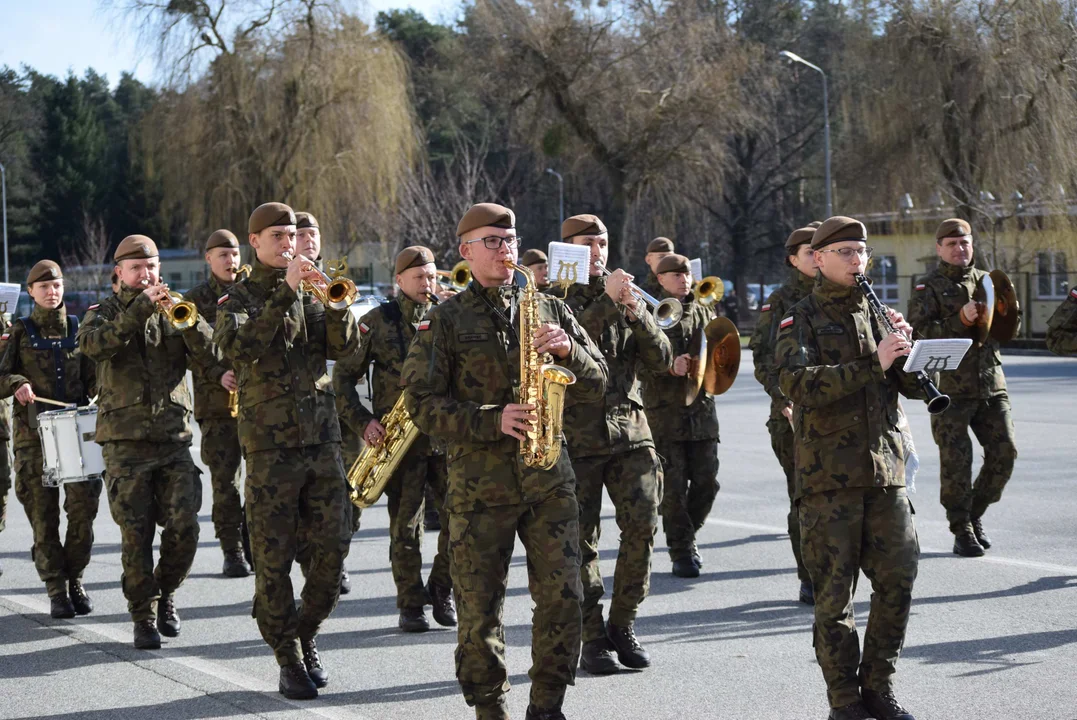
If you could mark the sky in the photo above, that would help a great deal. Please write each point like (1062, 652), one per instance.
(55, 36)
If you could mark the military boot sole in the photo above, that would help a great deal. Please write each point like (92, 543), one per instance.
(307, 693)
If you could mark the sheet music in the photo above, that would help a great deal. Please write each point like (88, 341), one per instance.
(9, 294)
(937, 355)
(568, 263)
(697, 268)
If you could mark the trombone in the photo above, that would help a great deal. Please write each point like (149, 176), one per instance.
(336, 293)
(667, 313)
(458, 277)
(709, 290)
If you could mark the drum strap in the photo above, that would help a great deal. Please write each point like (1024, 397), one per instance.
(59, 347)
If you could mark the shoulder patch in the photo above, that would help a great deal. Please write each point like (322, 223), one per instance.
(5, 336)
(364, 328)
(1073, 293)
(94, 306)
(921, 286)
(787, 322)
(222, 299)
(424, 325)
(765, 308)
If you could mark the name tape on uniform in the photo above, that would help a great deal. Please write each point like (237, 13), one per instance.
(568, 263)
(696, 264)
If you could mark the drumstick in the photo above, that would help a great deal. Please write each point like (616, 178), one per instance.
(55, 402)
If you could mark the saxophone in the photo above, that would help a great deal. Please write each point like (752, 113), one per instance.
(370, 472)
(542, 384)
(233, 396)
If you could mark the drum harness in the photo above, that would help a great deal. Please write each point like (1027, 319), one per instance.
(58, 345)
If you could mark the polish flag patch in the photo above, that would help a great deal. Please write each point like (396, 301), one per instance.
(5, 336)
(765, 308)
(364, 328)
(222, 299)
(921, 286)
(788, 322)
(424, 325)
(94, 306)
(1073, 293)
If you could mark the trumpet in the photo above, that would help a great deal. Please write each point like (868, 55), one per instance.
(667, 313)
(709, 290)
(182, 314)
(458, 277)
(336, 293)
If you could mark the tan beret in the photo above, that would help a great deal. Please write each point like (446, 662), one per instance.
(270, 215)
(221, 239)
(44, 270)
(581, 225)
(836, 229)
(485, 215)
(135, 247)
(660, 244)
(533, 257)
(305, 220)
(954, 227)
(800, 236)
(814, 224)
(673, 263)
(413, 256)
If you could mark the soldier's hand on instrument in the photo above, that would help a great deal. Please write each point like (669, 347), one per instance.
(900, 323)
(787, 412)
(517, 420)
(299, 269)
(25, 394)
(891, 348)
(228, 381)
(156, 293)
(971, 311)
(617, 287)
(681, 364)
(551, 338)
(374, 433)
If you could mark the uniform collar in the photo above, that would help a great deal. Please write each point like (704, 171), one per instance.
(51, 320)
(801, 282)
(127, 295)
(216, 285)
(956, 273)
(412, 311)
(844, 297)
(498, 295)
(267, 277)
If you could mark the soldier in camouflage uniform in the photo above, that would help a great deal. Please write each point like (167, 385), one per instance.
(385, 333)
(144, 432)
(611, 446)
(5, 441)
(1062, 327)
(942, 307)
(685, 437)
(843, 375)
(220, 436)
(656, 250)
(462, 386)
(40, 357)
(536, 262)
(800, 257)
(277, 337)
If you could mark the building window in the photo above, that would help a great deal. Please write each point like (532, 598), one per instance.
(1052, 280)
(884, 277)
(175, 280)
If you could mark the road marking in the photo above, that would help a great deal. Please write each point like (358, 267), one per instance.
(209, 668)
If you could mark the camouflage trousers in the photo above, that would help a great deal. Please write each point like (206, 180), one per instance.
(842, 533)
(633, 480)
(151, 484)
(406, 491)
(992, 423)
(222, 455)
(690, 485)
(5, 481)
(286, 490)
(56, 562)
(781, 441)
(481, 544)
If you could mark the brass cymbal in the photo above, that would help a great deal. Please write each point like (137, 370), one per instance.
(984, 297)
(1007, 316)
(723, 355)
(697, 348)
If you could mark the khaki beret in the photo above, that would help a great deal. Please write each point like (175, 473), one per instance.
(413, 256)
(533, 257)
(44, 270)
(270, 215)
(954, 227)
(485, 215)
(814, 224)
(581, 225)
(221, 239)
(673, 263)
(836, 229)
(800, 236)
(305, 220)
(660, 244)
(135, 247)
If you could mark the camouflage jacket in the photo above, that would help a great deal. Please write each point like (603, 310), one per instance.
(651, 285)
(210, 398)
(463, 368)
(616, 422)
(765, 336)
(49, 359)
(142, 366)
(935, 312)
(384, 336)
(663, 393)
(845, 408)
(5, 411)
(278, 341)
(1062, 327)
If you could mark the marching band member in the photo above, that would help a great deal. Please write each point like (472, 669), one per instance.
(657, 249)
(145, 435)
(535, 261)
(1062, 327)
(40, 356)
(277, 337)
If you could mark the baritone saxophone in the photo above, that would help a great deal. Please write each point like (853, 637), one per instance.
(371, 471)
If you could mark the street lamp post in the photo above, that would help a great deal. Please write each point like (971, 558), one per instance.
(561, 193)
(793, 57)
(3, 195)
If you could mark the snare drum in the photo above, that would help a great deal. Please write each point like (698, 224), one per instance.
(68, 447)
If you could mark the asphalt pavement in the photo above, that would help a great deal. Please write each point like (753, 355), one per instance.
(990, 638)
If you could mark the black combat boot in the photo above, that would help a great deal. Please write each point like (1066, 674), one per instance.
(852, 711)
(807, 593)
(146, 635)
(684, 567)
(345, 583)
(597, 657)
(317, 672)
(413, 620)
(697, 559)
(981, 536)
(82, 602)
(441, 599)
(61, 609)
(168, 620)
(235, 565)
(534, 713)
(884, 706)
(431, 521)
(629, 652)
(965, 543)
(295, 683)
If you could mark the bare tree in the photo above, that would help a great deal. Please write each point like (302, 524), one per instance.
(86, 261)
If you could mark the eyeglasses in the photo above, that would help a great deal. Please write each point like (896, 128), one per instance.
(493, 242)
(847, 252)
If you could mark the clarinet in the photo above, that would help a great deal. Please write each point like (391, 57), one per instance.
(936, 401)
